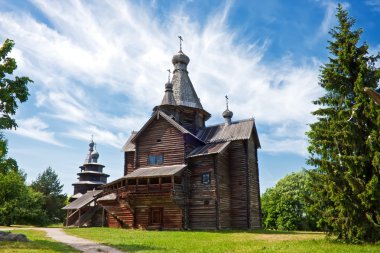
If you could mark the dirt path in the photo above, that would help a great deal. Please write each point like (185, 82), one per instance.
(81, 244)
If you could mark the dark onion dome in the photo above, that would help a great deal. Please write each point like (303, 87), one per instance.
(168, 86)
(180, 57)
(91, 144)
(227, 114)
(95, 155)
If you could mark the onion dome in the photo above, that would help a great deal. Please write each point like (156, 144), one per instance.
(180, 57)
(227, 114)
(169, 86)
(95, 155)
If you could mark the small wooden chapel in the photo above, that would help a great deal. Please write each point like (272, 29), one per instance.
(180, 173)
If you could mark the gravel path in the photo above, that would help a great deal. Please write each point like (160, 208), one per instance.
(81, 244)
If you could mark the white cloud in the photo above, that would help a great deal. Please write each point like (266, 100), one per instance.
(35, 128)
(100, 68)
(375, 4)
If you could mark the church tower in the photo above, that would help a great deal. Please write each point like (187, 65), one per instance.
(91, 175)
(181, 101)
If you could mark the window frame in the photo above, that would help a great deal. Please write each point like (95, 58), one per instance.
(206, 178)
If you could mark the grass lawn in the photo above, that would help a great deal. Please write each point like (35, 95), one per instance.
(38, 243)
(211, 241)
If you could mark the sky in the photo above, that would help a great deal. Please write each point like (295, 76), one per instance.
(99, 68)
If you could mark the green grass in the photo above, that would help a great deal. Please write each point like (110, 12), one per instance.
(211, 241)
(38, 243)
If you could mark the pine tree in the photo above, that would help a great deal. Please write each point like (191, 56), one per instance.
(345, 140)
(50, 187)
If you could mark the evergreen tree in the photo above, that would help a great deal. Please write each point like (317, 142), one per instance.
(49, 186)
(345, 140)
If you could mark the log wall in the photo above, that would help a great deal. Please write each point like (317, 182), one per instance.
(129, 162)
(224, 190)
(238, 182)
(254, 186)
(202, 199)
(172, 214)
(160, 137)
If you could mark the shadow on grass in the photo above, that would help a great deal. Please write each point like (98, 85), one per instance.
(256, 231)
(134, 247)
(36, 245)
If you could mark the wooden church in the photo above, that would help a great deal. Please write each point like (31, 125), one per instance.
(180, 173)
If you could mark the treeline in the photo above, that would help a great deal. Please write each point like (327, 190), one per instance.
(342, 194)
(39, 203)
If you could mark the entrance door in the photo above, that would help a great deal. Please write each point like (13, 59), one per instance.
(156, 217)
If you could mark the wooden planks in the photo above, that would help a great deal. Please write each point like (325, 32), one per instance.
(160, 138)
(129, 162)
(238, 179)
(202, 199)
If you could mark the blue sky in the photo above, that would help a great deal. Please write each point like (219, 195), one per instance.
(99, 67)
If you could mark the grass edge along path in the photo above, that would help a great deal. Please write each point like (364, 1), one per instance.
(216, 241)
(39, 242)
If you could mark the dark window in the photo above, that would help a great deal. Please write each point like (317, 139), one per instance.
(131, 181)
(156, 159)
(153, 181)
(166, 180)
(143, 181)
(158, 140)
(206, 178)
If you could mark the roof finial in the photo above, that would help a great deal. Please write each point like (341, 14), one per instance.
(180, 42)
(227, 114)
(169, 75)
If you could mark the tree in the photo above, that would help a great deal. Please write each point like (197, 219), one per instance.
(19, 204)
(50, 187)
(11, 91)
(287, 206)
(345, 140)
(14, 194)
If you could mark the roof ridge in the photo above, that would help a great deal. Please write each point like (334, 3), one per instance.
(232, 122)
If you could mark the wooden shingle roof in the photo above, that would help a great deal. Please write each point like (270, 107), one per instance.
(161, 171)
(238, 130)
(85, 199)
(208, 149)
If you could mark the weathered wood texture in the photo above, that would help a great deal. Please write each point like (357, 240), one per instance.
(202, 200)
(171, 213)
(254, 186)
(129, 162)
(224, 190)
(160, 137)
(119, 213)
(238, 179)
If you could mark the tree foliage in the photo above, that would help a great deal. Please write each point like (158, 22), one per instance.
(345, 140)
(12, 90)
(287, 206)
(18, 202)
(49, 186)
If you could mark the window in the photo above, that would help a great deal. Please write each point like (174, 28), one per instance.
(156, 159)
(206, 178)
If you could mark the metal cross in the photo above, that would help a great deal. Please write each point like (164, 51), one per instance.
(169, 75)
(227, 101)
(180, 42)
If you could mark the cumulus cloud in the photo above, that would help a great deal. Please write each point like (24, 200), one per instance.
(100, 69)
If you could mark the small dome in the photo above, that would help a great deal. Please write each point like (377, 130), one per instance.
(227, 114)
(180, 57)
(95, 155)
(91, 144)
(168, 86)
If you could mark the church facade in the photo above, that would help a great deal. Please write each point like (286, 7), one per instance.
(180, 173)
